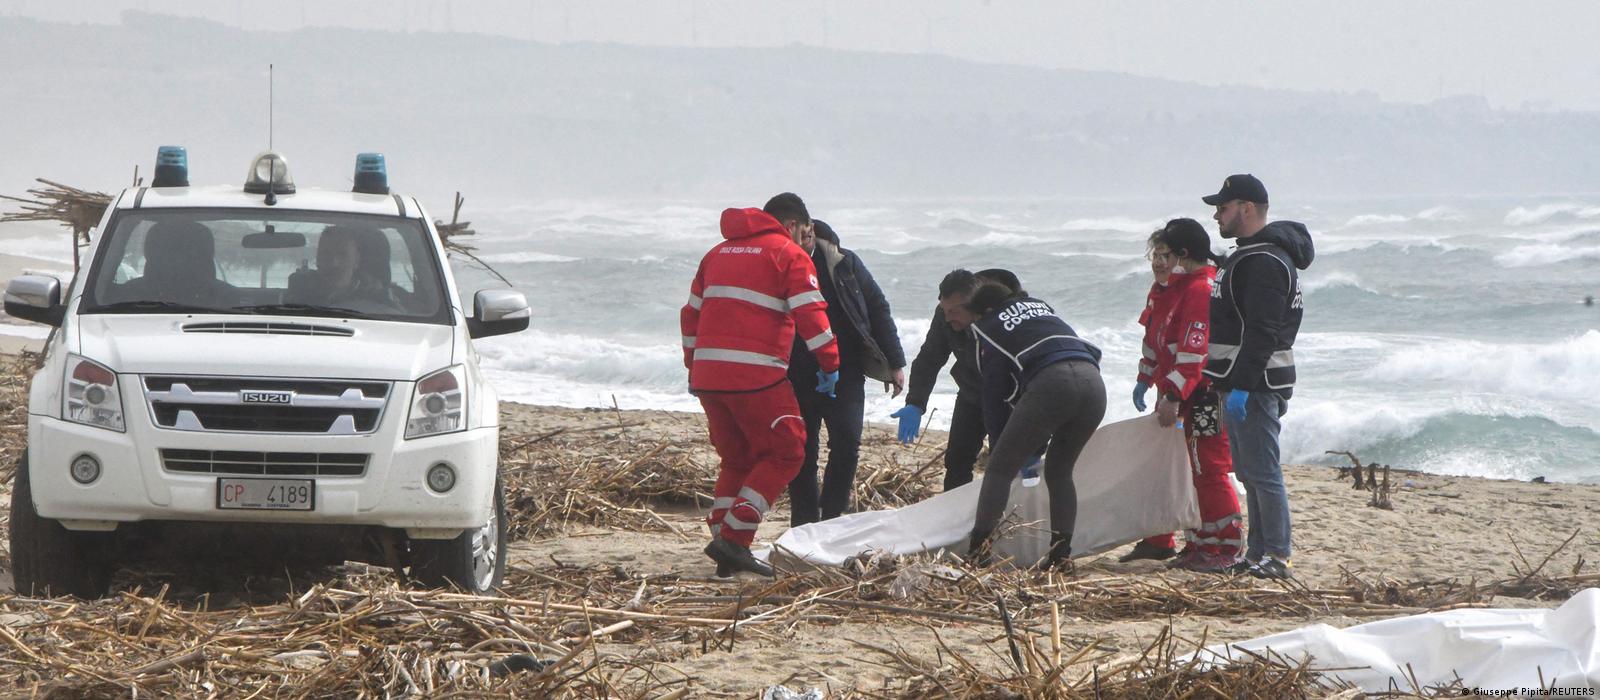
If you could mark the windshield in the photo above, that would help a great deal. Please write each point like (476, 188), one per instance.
(277, 262)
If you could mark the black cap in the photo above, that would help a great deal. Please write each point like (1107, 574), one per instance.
(1242, 186)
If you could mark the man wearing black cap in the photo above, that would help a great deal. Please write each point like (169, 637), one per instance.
(1256, 308)
(869, 346)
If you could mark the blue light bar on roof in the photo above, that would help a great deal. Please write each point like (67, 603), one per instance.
(372, 175)
(172, 167)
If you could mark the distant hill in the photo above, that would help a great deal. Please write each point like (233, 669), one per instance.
(515, 119)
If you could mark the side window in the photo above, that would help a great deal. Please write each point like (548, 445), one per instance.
(401, 270)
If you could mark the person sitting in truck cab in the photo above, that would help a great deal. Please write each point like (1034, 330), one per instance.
(179, 266)
(342, 277)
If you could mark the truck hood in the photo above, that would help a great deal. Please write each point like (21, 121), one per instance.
(247, 346)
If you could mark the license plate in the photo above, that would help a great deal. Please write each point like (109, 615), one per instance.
(266, 494)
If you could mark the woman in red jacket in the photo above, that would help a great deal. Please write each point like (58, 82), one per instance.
(1177, 337)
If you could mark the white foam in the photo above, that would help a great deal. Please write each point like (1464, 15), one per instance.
(1563, 370)
(996, 238)
(1121, 224)
(1545, 254)
(585, 359)
(30, 331)
(1312, 427)
(1442, 214)
(56, 249)
(1375, 220)
(1119, 257)
(527, 257)
(1523, 216)
(1312, 283)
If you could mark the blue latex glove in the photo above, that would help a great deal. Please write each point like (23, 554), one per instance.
(910, 420)
(826, 381)
(1236, 404)
(1139, 389)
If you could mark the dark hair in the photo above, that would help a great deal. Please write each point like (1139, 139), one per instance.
(1187, 239)
(824, 231)
(959, 281)
(787, 206)
(990, 296)
(1001, 275)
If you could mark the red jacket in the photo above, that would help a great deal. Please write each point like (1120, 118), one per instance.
(748, 297)
(1177, 333)
(1147, 350)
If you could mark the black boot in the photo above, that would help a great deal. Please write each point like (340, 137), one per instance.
(1060, 556)
(1144, 550)
(732, 558)
(980, 551)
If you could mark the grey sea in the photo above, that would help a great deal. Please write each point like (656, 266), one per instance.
(1445, 334)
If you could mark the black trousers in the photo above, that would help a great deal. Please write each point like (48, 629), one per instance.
(842, 414)
(1061, 406)
(967, 433)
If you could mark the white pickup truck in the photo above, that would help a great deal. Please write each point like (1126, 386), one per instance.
(260, 371)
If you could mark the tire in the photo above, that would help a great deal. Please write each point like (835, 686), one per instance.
(474, 561)
(48, 559)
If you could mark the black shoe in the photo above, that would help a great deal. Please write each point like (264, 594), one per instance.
(1059, 558)
(1145, 550)
(735, 557)
(1240, 568)
(979, 551)
(1273, 568)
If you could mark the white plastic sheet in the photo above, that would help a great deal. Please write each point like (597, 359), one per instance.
(1489, 649)
(1133, 480)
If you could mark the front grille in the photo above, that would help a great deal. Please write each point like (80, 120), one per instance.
(234, 404)
(264, 463)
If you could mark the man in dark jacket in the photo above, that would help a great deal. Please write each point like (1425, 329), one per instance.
(950, 333)
(869, 347)
(1256, 308)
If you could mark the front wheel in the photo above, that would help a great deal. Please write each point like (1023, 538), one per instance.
(48, 559)
(474, 561)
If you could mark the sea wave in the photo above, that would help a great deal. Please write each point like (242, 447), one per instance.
(1339, 278)
(1121, 224)
(1524, 216)
(587, 359)
(527, 256)
(1375, 220)
(1463, 439)
(997, 238)
(1545, 254)
(1559, 370)
(1329, 245)
(1442, 214)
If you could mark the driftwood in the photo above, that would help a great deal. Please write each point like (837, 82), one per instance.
(78, 210)
(1381, 491)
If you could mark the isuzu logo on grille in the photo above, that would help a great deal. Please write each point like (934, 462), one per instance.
(282, 397)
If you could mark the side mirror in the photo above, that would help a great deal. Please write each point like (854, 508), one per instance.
(495, 312)
(36, 298)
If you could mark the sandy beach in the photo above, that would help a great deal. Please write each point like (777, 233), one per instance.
(1353, 562)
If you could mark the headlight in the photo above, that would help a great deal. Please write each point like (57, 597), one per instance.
(91, 396)
(438, 404)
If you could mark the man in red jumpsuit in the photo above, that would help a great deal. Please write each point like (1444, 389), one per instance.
(750, 295)
(1177, 338)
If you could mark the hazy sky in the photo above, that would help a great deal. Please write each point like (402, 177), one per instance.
(1540, 55)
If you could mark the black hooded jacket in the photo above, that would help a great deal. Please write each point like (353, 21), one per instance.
(1256, 309)
(858, 312)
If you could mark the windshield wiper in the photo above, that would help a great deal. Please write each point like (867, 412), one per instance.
(304, 310)
(153, 305)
